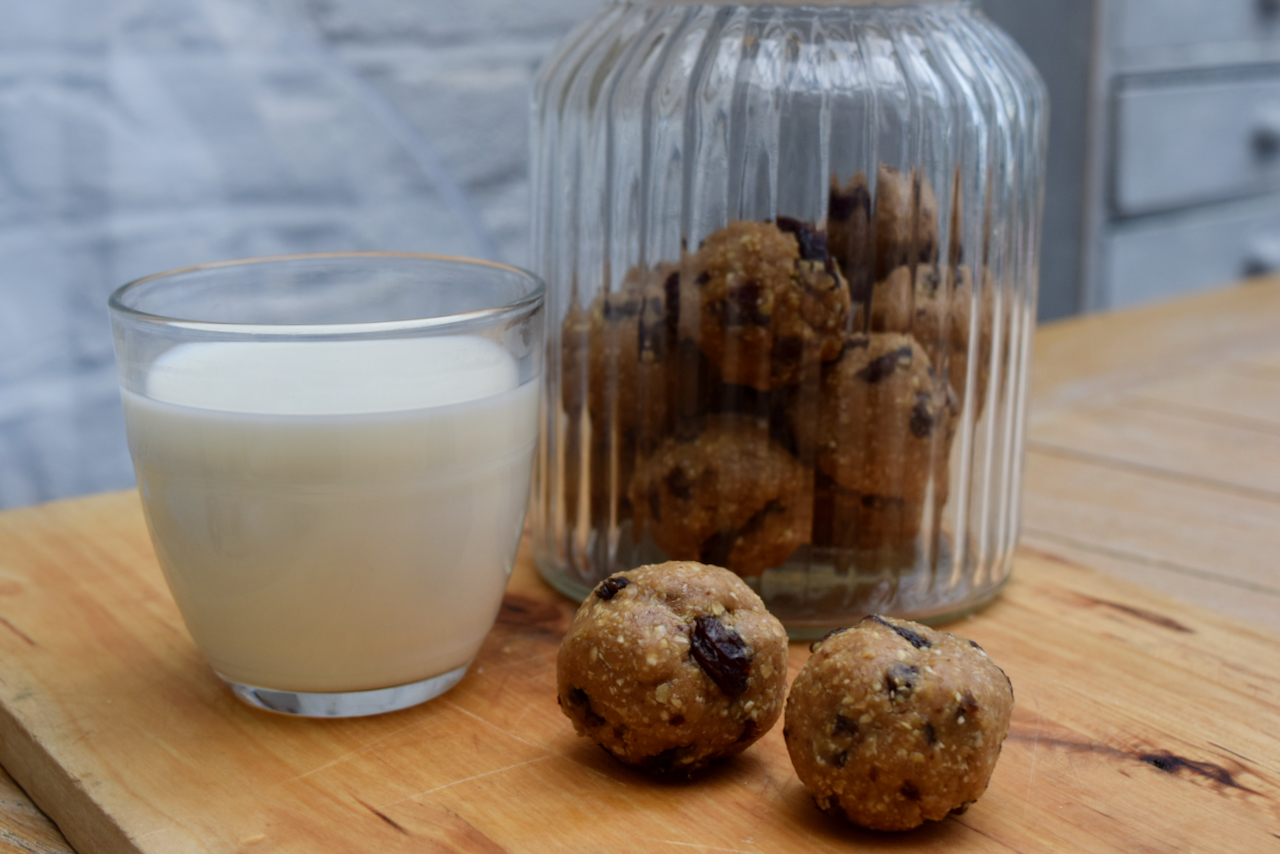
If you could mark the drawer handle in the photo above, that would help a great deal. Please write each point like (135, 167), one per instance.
(1266, 133)
(1262, 257)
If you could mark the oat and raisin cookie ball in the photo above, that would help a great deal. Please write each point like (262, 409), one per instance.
(905, 217)
(936, 307)
(883, 418)
(880, 429)
(893, 724)
(764, 302)
(906, 211)
(848, 232)
(673, 665)
(624, 366)
(730, 495)
(630, 343)
(574, 341)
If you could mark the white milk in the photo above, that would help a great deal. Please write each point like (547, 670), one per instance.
(335, 516)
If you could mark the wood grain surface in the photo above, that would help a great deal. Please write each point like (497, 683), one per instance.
(1092, 357)
(1153, 449)
(24, 829)
(1142, 724)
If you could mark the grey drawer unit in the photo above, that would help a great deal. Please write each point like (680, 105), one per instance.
(1159, 257)
(1164, 144)
(1176, 23)
(1181, 143)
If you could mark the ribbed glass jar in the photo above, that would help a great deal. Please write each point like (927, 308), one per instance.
(791, 253)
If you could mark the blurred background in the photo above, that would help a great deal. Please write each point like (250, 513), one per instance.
(142, 135)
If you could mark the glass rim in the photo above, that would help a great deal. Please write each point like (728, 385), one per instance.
(535, 296)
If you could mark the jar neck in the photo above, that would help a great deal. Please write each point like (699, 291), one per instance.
(961, 3)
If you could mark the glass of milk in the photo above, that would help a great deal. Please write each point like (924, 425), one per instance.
(333, 454)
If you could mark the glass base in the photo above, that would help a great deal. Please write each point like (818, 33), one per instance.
(819, 589)
(347, 704)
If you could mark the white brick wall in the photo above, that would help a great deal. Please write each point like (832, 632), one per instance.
(141, 135)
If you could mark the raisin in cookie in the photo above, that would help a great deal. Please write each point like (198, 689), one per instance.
(892, 724)
(764, 302)
(731, 496)
(671, 666)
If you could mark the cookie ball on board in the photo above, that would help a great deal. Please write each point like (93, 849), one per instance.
(892, 724)
(671, 666)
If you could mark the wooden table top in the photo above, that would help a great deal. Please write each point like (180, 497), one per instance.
(1153, 457)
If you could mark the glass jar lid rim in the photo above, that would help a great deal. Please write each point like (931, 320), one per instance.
(802, 2)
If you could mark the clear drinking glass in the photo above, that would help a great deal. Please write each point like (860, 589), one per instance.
(333, 454)
(792, 253)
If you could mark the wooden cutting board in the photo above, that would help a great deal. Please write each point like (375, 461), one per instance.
(1141, 725)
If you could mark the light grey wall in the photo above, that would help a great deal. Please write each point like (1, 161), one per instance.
(142, 135)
